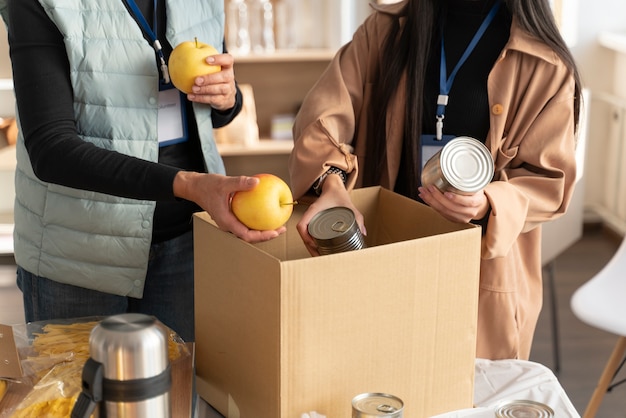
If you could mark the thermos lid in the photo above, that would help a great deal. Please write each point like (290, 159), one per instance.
(129, 346)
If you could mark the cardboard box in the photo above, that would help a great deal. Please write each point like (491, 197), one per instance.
(280, 333)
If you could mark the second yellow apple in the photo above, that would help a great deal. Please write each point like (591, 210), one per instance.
(188, 61)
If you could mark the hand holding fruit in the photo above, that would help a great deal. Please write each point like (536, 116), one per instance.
(188, 61)
(204, 74)
(267, 206)
(213, 192)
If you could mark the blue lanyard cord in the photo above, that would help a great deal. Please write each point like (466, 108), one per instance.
(148, 30)
(445, 83)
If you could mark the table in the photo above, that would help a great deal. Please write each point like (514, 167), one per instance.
(495, 381)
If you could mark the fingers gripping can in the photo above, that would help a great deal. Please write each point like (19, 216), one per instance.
(376, 405)
(464, 165)
(335, 230)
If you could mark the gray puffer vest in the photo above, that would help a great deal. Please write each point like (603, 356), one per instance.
(89, 239)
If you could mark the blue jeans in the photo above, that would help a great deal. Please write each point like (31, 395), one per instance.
(168, 293)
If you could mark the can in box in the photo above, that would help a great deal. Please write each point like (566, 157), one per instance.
(335, 230)
(376, 405)
(464, 165)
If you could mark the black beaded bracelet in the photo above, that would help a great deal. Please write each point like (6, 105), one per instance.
(317, 186)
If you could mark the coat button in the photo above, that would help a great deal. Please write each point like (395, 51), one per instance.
(497, 109)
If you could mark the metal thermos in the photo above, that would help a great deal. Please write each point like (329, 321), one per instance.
(128, 374)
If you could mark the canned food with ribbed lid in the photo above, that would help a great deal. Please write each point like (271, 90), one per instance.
(464, 165)
(523, 409)
(377, 405)
(335, 230)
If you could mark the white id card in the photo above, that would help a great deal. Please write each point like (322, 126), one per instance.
(172, 123)
(431, 145)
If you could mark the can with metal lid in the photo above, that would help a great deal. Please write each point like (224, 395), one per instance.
(335, 230)
(464, 165)
(523, 409)
(376, 405)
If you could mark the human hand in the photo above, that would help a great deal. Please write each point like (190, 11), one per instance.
(213, 192)
(455, 207)
(218, 89)
(334, 194)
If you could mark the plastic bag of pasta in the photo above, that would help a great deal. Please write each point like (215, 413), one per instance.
(52, 355)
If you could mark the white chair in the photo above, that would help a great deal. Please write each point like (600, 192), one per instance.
(600, 303)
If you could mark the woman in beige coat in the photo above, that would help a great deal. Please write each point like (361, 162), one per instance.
(517, 90)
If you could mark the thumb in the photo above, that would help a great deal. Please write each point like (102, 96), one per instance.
(247, 182)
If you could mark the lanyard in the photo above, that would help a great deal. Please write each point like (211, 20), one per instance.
(148, 30)
(445, 83)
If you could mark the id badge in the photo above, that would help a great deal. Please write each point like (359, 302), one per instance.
(431, 145)
(172, 118)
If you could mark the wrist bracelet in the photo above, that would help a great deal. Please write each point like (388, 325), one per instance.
(317, 186)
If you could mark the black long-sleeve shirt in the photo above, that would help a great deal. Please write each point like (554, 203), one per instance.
(58, 155)
(467, 112)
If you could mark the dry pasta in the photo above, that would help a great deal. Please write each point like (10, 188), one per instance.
(58, 355)
(3, 388)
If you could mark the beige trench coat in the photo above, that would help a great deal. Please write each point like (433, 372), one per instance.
(532, 140)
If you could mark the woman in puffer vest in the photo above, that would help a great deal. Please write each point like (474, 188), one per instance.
(111, 160)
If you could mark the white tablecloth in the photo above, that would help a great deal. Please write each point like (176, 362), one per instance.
(510, 380)
(495, 382)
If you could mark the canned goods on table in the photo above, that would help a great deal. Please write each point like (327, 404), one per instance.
(464, 165)
(523, 409)
(376, 405)
(335, 230)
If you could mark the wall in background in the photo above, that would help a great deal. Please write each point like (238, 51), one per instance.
(5, 64)
(599, 67)
(7, 98)
(331, 23)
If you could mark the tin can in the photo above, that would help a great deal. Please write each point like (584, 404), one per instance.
(523, 409)
(335, 230)
(464, 165)
(373, 405)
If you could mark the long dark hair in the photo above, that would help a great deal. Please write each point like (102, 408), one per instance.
(406, 49)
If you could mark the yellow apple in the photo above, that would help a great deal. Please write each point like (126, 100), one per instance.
(188, 61)
(267, 206)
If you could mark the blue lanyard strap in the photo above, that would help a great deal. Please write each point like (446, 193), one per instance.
(445, 82)
(148, 30)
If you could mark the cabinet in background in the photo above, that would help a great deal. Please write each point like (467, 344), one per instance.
(279, 81)
(605, 191)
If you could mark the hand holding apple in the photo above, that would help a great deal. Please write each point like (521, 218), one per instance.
(266, 207)
(188, 61)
